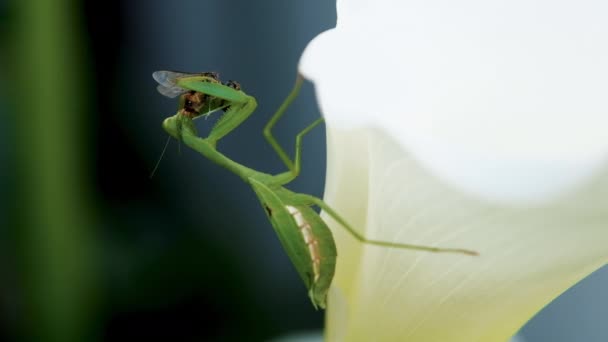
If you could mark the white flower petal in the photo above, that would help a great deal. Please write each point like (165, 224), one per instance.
(528, 256)
(468, 124)
(516, 86)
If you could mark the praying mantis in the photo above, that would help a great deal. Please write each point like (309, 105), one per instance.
(304, 235)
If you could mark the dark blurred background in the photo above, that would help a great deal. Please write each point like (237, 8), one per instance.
(91, 248)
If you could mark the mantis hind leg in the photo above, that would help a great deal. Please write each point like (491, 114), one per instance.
(321, 204)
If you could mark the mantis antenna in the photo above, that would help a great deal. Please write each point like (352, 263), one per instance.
(160, 158)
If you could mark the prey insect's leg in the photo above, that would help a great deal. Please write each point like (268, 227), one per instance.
(321, 204)
(277, 115)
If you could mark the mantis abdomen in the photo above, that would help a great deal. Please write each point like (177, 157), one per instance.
(304, 236)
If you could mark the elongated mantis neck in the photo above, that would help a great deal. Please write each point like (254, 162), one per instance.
(183, 128)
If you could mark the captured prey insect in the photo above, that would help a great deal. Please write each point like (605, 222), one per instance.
(304, 235)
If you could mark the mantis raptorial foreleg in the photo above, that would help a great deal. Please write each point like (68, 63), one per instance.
(240, 106)
(325, 207)
(234, 116)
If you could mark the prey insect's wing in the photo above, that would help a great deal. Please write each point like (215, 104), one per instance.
(167, 82)
(170, 92)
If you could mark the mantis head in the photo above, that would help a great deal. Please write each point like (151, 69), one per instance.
(173, 125)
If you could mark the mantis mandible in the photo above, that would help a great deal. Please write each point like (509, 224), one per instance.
(306, 238)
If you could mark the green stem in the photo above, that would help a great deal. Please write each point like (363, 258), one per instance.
(53, 216)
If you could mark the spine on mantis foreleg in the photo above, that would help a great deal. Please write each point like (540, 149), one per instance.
(234, 116)
(305, 237)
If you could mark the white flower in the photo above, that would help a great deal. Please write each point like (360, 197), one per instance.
(468, 124)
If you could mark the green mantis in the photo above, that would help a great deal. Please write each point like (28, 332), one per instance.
(306, 238)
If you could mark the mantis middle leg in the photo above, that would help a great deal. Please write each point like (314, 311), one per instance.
(290, 175)
(277, 115)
